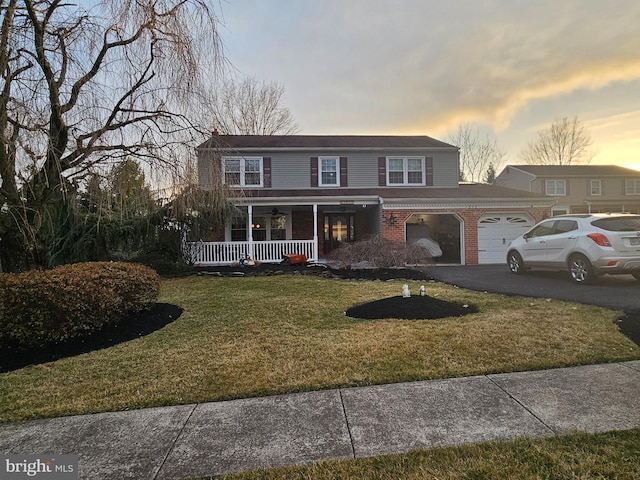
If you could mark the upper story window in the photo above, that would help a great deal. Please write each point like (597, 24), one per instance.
(555, 187)
(595, 187)
(329, 171)
(405, 171)
(243, 171)
(632, 187)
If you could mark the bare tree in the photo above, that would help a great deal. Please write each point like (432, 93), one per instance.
(477, 154)
(565, 142)
(88, 87)
(250, 107)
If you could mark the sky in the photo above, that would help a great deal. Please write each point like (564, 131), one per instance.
(507, 68)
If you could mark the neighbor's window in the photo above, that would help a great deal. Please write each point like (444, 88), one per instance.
(595, 187)
(242, 171)
(329, 168)
(405, 171)
(632, 187)
(555, 187)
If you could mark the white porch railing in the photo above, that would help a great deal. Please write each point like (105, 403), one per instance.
(225, 253)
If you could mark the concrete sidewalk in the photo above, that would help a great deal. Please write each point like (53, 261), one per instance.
(224, 437)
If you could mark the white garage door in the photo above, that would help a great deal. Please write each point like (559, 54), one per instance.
(496, 231)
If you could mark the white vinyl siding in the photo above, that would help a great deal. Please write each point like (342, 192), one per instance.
(290, 170)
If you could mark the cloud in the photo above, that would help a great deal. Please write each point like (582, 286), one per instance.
(424, 66)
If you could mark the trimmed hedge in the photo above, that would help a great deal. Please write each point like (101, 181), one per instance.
(46, 306)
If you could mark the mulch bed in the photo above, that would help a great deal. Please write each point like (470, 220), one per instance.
(138, 325)
(410, 308)
(346, 273)
(629, 325)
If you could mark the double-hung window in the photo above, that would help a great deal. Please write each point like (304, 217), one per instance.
(329, 171)
(556, 188)
(632, 187)
(595, 187)
(405, 171)
(243, 171)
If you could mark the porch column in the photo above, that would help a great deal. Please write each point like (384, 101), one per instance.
(250, 230)
(315, 231)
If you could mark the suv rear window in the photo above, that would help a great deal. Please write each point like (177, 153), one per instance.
(618, 224)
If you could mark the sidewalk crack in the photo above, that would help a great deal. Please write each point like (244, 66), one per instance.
(531, 412)
(346, 419)
(174, 442)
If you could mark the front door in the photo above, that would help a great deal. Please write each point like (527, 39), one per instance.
(338, 229)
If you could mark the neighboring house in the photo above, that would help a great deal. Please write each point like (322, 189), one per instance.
(578, 188)
(310, 194)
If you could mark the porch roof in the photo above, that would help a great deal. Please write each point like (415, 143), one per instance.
(463, 191)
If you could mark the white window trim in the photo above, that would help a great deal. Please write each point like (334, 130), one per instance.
(599, 187)
(243, 172)
(405, 171)
(320, 182)
(266, 215)
(632, 191)
(556, 182)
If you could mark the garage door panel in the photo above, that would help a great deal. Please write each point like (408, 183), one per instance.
(495, 232)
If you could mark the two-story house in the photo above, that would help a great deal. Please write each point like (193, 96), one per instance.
(309, 194)
(578, 188)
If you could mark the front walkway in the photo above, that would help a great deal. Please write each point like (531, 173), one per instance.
(224, 437)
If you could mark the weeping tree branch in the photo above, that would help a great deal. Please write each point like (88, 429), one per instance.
(86, 88)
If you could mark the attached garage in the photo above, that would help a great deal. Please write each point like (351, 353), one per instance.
(442, 228)
(495, 232)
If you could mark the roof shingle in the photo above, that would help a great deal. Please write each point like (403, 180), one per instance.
(274, 142)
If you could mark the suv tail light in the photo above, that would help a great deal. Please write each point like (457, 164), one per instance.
(600, 239)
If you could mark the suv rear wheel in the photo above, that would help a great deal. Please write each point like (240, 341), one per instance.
(581, 269)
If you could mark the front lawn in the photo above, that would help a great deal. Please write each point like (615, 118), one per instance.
(242, 337)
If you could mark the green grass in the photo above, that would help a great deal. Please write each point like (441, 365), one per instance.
(614, 455)
(242, 337)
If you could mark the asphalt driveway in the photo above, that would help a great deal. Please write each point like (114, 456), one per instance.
(618, 292)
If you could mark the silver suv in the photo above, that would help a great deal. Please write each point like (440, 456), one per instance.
(584, 245)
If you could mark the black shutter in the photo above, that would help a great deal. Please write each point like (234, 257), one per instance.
(314, 171)
(343, 172)
(382, 171)
(266, 172)
(429, 171)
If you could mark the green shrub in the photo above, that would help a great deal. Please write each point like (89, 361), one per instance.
(44, 306)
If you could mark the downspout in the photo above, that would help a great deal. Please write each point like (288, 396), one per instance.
(315, 232)
(250, 228)
(380, 217)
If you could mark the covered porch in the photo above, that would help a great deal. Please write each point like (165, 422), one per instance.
(269, 231)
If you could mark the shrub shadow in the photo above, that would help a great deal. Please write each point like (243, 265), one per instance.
(157, 316)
